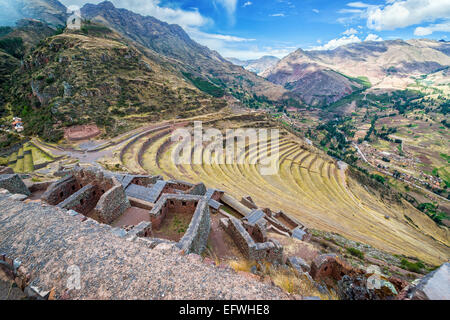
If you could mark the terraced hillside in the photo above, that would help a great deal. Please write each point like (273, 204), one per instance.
(309, 185)
(28, 158)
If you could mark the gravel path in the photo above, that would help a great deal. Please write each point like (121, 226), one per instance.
(47, 241)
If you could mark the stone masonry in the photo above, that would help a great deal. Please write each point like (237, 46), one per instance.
(110, 267)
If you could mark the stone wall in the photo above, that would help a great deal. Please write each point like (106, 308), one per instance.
(60, 190)
(112, 204)
(13, 184)
(196, 236)
(174, 186)
(182, 204)
(257, 231)
(82, 201)
(87, 189)
(269, 251)
(330, 266)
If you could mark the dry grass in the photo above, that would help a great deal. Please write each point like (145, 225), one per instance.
(241, 265)
(291, 281)
(287, 279)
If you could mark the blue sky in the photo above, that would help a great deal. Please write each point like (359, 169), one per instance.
(248, 29)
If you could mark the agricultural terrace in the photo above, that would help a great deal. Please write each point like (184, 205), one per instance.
(309, 185)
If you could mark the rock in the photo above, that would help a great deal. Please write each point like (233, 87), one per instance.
(6, 170)
(433, 286)
(299, 264)
(254, 270)
(119, 232)
(13, 184)
(18, 197)
(355, 288)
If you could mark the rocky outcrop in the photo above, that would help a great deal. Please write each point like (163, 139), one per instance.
(433, 286)
(13, 184)
(6, 170)
(355, 288)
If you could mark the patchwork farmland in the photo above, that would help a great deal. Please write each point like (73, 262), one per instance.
(309, 185)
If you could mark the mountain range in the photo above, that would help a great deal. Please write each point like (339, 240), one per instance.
(323, 77)
(257, 66)
(171, 72)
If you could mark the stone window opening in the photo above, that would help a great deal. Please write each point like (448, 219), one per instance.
(73, 187)
(81, 201)
(61, 194)
(183, 203)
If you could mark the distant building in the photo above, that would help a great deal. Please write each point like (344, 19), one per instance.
(17, 124)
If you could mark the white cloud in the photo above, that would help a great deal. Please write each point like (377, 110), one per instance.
(334, 43)
(202, 36)
(248, 3)
(424, 31)
(404, 13)
(229, 5)
(350, 11)
(351, 38)
(315, 10)
(358, 4)
(277, 15)
(350, 31)
(254, 52)
(373, 37)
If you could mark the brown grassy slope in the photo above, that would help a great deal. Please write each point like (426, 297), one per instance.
(85, 78)
(173, 43)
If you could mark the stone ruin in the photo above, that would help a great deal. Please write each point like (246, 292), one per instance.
(109, 198)
(103, 199)
(250, 231)
(91, 192)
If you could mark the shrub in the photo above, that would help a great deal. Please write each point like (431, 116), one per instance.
(378, 178)
(414, 267)
(355, 252)
(13, 46)
(205, 85)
